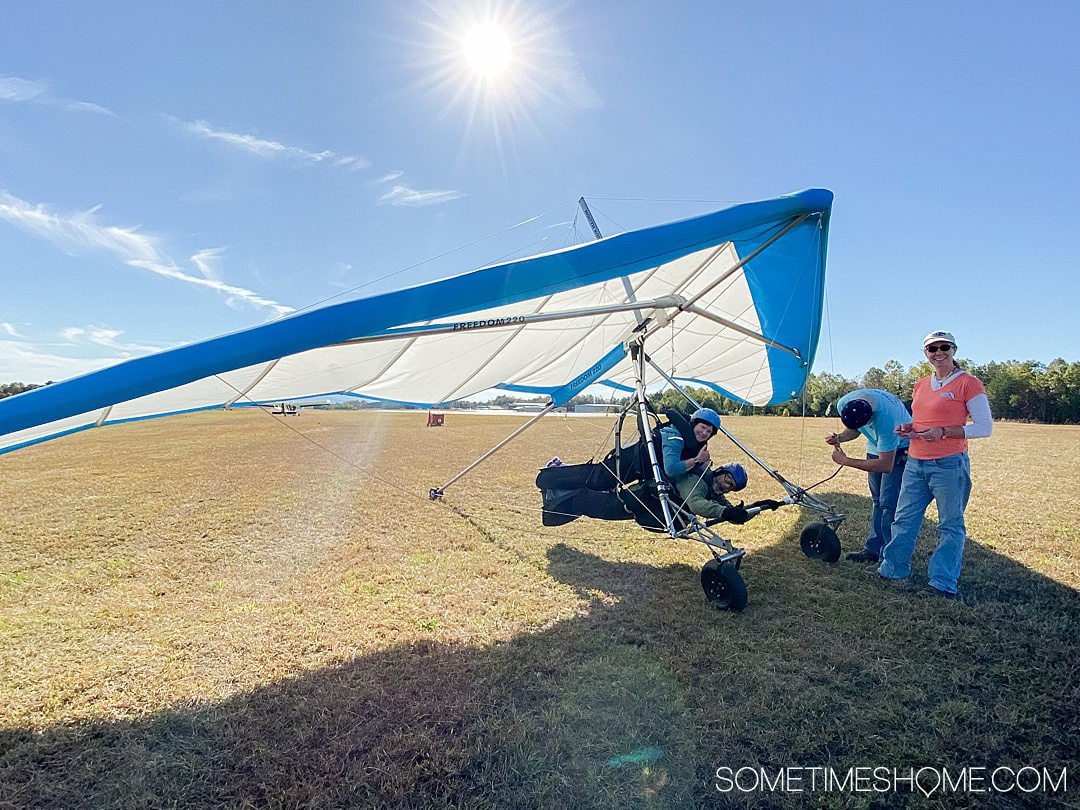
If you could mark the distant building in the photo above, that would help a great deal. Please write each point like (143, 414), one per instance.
(529, 407)
(597, 407)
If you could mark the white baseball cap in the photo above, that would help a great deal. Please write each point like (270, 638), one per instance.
(934, 337)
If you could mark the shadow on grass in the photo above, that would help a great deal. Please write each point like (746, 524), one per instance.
(634, 703)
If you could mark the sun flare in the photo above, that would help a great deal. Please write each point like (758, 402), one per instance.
(488, 69)
(488, 50)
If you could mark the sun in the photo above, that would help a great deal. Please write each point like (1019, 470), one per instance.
(486, 68)
(488, 50)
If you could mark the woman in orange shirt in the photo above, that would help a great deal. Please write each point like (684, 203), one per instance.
(938, 467)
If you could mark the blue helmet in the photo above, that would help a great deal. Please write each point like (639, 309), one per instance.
(708, 416)
(856, 413)
(737, 473)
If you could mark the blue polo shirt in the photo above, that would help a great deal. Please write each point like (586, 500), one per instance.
(889, 412)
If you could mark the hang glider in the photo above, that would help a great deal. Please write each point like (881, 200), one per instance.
(731, 300)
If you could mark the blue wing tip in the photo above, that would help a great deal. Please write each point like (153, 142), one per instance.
(815, 198)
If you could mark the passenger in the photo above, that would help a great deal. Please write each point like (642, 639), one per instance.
(705, 495)
(681, 459)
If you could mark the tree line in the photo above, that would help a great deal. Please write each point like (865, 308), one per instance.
(11, 389)
(1023, 390)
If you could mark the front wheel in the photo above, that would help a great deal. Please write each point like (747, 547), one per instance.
(820, 542)
(723, 585)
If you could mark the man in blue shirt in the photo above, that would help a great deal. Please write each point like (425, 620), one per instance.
(874, 414)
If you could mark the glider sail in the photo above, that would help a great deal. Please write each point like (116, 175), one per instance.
(731, 300)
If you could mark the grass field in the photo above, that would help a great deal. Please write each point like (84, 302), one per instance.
(235, 609)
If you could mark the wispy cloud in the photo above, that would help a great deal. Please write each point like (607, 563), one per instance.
(8, 329)
(103, 336)
(36, 91)
(37, 362)
(31, 363)
(235, 296)
(207, 260)
(274, 150)
(403, 195)
(79, 230)
(386, 178)
(82, 231)
(399, 195)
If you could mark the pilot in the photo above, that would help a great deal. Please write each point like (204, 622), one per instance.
(706, 495)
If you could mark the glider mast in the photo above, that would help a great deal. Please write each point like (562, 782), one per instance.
(588, 215)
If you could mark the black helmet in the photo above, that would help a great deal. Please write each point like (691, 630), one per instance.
(856, 413)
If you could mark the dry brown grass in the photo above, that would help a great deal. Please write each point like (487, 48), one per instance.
(214, 610)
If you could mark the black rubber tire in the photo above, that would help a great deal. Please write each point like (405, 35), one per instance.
(820, 542)
(723, 586)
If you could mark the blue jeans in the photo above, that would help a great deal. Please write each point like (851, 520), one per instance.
(884, 491)
(948, 482)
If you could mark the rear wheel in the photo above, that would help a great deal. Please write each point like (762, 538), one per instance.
(723, 585)
(820, 542)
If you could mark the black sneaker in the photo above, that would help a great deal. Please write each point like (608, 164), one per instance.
(863, 557)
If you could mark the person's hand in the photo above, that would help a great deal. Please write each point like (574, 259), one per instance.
(736, 514)
(703, 457)
(833, 440)
(905, 431)
(931, 434)
(766, 504)
(839, 456)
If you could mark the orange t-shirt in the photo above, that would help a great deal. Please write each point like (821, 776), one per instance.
(942, 408)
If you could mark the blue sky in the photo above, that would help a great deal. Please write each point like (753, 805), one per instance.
(171, 172)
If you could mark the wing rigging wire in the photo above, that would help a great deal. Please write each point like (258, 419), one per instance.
(611, 220)
(647, 276)
(694, 273)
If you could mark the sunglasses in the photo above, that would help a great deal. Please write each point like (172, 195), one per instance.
(942, 347)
